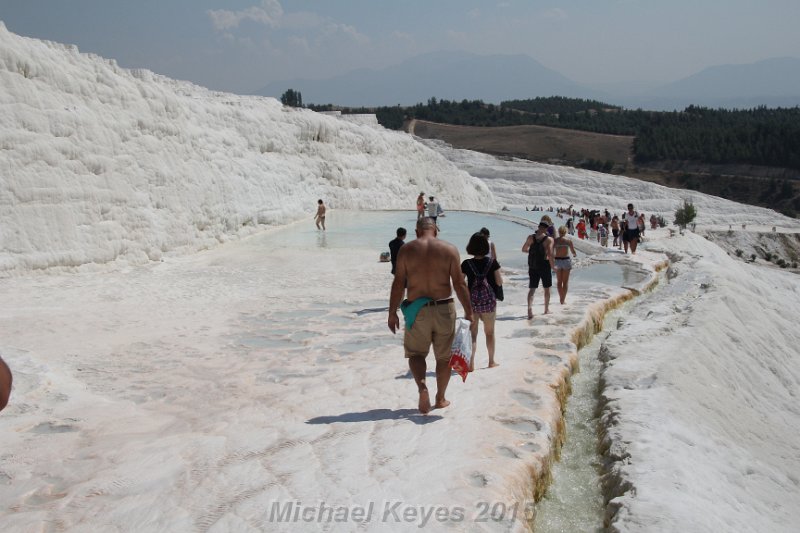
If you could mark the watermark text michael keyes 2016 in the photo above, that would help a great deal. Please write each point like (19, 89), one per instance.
(396, 511)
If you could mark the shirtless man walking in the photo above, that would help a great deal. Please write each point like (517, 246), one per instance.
(428, 266)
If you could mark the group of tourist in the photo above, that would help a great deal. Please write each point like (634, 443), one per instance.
(425, 270)
(627, 229)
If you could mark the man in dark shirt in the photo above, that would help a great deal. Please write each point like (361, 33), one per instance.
(541, 263)
(394, 246)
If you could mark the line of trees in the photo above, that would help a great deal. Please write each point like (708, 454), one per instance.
(759, 136)
(554, 105)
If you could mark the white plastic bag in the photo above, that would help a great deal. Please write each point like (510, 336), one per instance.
(461, 350)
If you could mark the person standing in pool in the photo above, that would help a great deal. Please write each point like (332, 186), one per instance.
(434, 210)
(428, 266)
(394, 246)
(319, 218)
(420, 205)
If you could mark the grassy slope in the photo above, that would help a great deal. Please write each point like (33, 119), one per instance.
(741, 183)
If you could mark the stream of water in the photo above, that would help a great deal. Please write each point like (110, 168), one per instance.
(574, 501)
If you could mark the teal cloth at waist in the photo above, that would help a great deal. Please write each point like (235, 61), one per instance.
(410, 309)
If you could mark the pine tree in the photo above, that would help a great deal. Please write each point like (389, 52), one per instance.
(686, 214)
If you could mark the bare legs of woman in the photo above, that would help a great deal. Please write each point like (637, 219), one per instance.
(488, 330)
(562, 283)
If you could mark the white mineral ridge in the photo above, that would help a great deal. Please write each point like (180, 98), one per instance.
(99, 163)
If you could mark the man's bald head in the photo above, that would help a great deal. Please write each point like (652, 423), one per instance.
(426, 225)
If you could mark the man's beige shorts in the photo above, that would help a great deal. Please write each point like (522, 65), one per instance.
(435, 324)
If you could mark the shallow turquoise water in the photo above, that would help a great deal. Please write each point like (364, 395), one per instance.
(374, 229)
(348, 230)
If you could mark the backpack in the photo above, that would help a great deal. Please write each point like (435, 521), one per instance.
(537, 255)
(481, 294)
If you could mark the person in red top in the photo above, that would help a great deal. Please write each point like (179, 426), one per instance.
(581, 227)
(420, 205)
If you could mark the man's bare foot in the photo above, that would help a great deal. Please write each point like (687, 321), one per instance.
(441, 404)
(530, 314)
(424, 402)
(546, 312)
(492, 365)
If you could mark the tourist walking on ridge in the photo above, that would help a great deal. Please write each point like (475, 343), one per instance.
(615, 231)
(630, 224)
(562, 247)
(420, 205)
(551, 229)
(539, 248)
(483, 276)
(641, 225)
(602, 235)
(428, 266)
(319, 218)
(581, 227)
(394, 246)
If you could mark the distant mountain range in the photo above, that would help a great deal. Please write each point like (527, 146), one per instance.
(461, 75)
(444, 75)
(771, 82)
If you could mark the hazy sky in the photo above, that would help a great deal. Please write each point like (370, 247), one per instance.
(241, 45)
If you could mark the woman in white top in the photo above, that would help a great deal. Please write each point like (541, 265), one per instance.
(630, 221)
